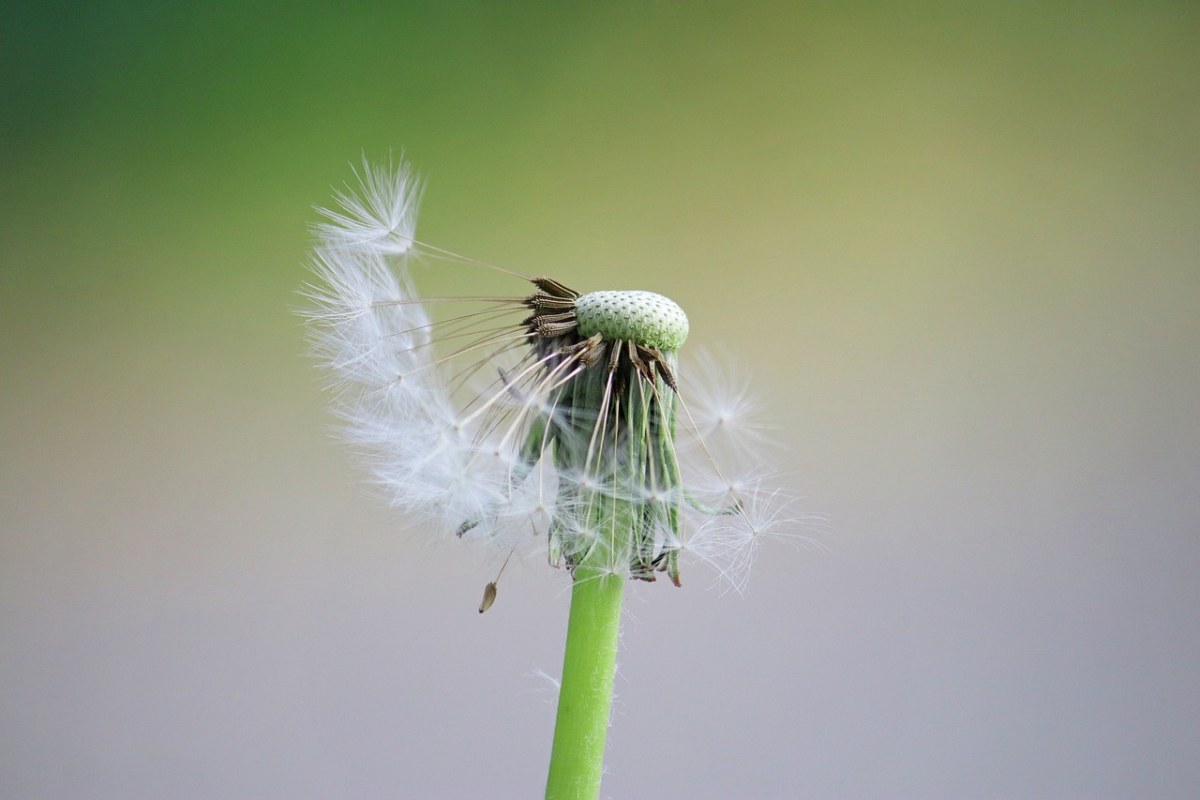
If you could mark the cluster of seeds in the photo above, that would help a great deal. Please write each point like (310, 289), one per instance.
(548, 411)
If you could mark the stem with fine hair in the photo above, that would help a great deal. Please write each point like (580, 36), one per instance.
(590, 657)
(585, 697)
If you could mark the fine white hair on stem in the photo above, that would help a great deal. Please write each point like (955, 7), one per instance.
(542, 415)
(547, 686)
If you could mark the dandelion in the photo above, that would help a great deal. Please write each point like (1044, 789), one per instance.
(545, 419)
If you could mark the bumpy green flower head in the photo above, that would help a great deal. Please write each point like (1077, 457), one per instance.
(641, 317)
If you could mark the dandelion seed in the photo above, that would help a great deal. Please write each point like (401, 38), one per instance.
(489, 591)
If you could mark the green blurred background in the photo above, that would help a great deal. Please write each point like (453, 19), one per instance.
(955, 243)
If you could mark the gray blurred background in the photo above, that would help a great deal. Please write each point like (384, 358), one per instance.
(957, 247)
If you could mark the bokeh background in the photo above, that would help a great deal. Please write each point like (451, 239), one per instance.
(957, 245)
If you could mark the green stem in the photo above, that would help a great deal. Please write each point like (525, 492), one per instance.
(585, 697)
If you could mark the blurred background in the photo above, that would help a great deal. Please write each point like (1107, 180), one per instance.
(957, 246)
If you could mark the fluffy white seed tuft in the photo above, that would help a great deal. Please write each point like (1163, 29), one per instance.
(381, 216)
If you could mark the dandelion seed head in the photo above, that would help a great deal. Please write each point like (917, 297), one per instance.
(546, 415)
